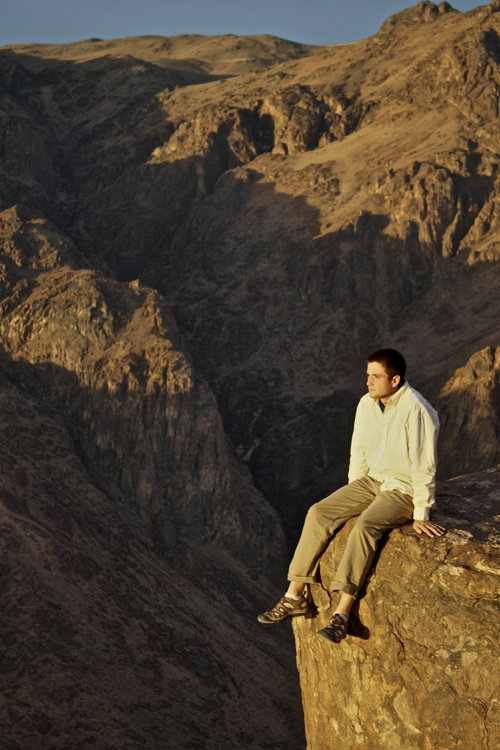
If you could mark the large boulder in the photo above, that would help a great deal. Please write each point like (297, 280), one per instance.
(420, 665)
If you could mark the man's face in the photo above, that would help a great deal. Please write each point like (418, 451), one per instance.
(379, 384)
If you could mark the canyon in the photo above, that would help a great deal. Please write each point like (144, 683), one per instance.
(200, 241)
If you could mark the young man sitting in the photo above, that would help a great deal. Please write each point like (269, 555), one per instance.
(391, 480)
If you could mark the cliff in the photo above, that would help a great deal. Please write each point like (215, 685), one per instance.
(109, 358)
(419, 667)
(102, 641)
(468, 403)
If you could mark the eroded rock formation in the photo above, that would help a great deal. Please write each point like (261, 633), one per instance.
(109, 357)
(134, 544)
(468, 403)
(103, 641)
(419, 668)
(295, 214)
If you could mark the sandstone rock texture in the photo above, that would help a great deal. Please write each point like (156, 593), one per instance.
(420, 665)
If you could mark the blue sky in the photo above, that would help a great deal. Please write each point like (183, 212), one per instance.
(311, 21)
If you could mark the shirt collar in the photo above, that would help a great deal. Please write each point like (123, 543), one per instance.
(396, 398)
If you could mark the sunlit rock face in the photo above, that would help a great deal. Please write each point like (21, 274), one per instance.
(419, 667)
(468, 400)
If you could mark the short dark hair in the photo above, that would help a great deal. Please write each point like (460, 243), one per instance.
(392, 361)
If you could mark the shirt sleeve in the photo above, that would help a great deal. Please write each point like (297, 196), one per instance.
(423, 430)
(358, 467)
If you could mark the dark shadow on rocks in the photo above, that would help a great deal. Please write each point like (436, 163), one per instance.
(301, 453)
(55, 131)
(356, 629)
(313, 608)
(84, 595)
(123, 441)
(468, 402)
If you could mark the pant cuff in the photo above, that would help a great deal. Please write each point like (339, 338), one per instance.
(345, 588)
(301, 579)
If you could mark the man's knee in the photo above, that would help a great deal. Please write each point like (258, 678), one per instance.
(314, 513)
(317, 515)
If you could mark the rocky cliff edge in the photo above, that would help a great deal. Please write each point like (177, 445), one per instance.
(420, 665)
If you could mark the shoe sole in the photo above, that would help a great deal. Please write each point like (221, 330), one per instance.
(265, 621)
(325, 637)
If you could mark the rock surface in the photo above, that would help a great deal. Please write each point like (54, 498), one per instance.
(108, 356)
(420, 665)
(129, 577)
(468, 401)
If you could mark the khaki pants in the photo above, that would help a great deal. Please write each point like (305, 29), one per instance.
(377, 511)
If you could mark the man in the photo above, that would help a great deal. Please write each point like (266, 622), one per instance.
(391, 480)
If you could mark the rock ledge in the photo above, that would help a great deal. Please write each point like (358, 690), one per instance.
(421, 665)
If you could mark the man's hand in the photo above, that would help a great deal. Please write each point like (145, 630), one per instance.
(429, 528)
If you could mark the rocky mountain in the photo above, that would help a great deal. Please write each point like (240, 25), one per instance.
(294, 216)
(201, 239)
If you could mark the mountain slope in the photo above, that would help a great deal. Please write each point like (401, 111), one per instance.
(135, 549)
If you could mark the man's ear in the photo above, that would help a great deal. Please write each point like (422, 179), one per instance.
(396, 380)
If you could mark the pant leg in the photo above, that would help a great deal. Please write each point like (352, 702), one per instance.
(321, 522)
(388, 510)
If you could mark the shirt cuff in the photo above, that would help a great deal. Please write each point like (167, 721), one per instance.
(421, 513)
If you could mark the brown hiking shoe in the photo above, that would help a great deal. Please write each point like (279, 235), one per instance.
(285, 608)
(335, 629)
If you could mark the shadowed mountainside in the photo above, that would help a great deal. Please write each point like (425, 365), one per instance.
(135, 547)
(105, 643)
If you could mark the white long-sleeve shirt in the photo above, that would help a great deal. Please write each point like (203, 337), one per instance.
(398, 446)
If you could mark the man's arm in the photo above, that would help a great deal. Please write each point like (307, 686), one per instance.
(423, 430)
(358, 467)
